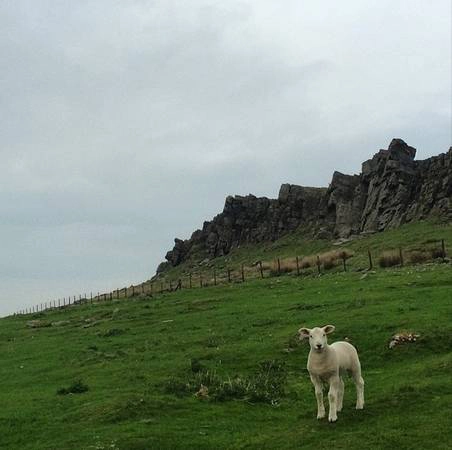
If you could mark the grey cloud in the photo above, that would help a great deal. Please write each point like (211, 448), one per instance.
(125, 124)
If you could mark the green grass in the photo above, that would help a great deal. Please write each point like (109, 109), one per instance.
(423, 235)
(125, 361)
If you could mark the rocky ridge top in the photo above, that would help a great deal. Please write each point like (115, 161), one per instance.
(393, 188)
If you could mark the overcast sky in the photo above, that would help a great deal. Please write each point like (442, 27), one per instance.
(124, 124)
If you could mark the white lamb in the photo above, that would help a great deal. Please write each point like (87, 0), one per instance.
(327, 364)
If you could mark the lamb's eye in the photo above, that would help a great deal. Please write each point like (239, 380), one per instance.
(324, 334)
(310, 336)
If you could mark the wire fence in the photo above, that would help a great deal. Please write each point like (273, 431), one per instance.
(317, 264)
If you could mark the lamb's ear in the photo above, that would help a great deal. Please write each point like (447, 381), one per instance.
(304, 332)
(328, 329)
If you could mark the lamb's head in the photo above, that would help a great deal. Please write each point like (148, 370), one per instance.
(317, 336)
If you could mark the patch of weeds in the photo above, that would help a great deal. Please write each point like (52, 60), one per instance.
(77, 387)
(266, 385)
(113, 332)
(213, 341)
(175, 386)
(196, 365)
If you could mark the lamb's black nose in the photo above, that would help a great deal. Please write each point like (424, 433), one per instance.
(319, 346)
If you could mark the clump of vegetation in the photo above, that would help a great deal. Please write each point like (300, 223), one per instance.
(390, 258)
(113, 332)
(77, 387)
(266, 385)
(418, 256)
(328, 260)
(196, 365)
(437, 253)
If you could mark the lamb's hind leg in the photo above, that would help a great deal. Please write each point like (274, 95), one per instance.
(359, 382)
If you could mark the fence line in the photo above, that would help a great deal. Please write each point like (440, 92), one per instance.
(387, 259)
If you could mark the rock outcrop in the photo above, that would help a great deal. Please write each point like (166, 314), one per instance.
(393, 188)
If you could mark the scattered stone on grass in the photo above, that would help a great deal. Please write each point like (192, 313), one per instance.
(402, 338)
(60, 323)
(203, 392)
(38, 324)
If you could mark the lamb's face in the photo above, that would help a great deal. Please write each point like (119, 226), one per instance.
(317, 337)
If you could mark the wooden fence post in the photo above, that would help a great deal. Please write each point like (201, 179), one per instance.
(318, 264)
(370, 259)
(344, 260)
(243, 275)
(229, 275)
(401, 256)
(261, 270)
(279, 267)
(200, 280)
(190, 282)
(298, 265)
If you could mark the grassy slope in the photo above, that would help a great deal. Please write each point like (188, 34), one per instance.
(413, 236)
(231, 329)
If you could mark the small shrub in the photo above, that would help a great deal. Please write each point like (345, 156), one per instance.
(213, 342)
(417, 257)
(235, 388)
(207, 378)
(176, 387)
(307, 262)
(389, 259)
(437, 253)
(78, 387)
(113, 332)
(265, 385)
(196, 366)
(344, 253)
(328, 263)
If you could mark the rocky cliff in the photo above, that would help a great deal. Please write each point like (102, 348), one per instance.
(393, 188)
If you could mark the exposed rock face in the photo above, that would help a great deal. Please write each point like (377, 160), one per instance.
(392, 189)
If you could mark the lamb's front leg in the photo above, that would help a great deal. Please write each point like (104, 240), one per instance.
(333, 397)
(317, 382)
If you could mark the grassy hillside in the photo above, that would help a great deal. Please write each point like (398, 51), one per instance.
(412, 237)
(143, 359)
